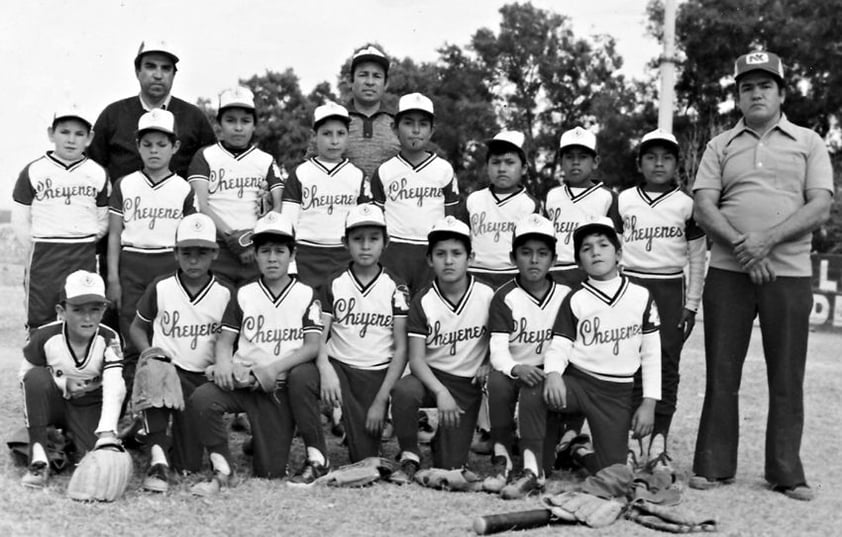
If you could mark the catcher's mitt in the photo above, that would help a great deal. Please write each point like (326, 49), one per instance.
(585, 508)
(103, 474)
(460, 480)
(670, 519)
(156, 382)
(359, 474)
(238, 241)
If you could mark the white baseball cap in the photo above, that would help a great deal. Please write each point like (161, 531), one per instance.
(601, 224)
(156, 45)
(415, 101)
(658, 136)
(578, 137)
(330, 110)
(370, 54)
(71, 110)
(83, 287)
(196, 229)
(237, 97)
(533, 225)
(156, 120)
(366, 214)
(449, 225)
(274, 224)
(508, 140)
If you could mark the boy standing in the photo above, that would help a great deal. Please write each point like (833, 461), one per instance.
(521, 318)
(493, 211)
(365, 309)
(413, 188)
(605, 331)
(275, 322)
(660, 237)
(71, 375)
(318, 195)
(577, 201)
(183, 312)
(448, 349)
(60, 211)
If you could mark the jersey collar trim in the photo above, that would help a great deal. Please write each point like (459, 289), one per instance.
(236, 156)
(87, 357)
(153, 184)
(337, 167)
(460, 305)
(364, 288)
(62, 165)
(200, 294)
(276, 300)
(541, 302)
(421, 165)
(610, 300)
(587, 192)
(653, 201)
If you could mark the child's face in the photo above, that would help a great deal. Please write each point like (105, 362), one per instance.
(598, 257)
(81, 320)
(365, 244)
(533, 260)
(505, 172)
(237, 125)
(195, 261)
(71, 137)
(156, 150)
(658, 165)
(578, 164)
(273, 260)
(331, 140)
(449, 260)
(414, 131)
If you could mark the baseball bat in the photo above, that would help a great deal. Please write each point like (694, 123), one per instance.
(516, 520)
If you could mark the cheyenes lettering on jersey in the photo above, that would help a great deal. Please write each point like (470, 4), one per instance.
(479, 226)
(527, 337)
(310, 199)
(172, 327)
(400, 190)
(240, 184)
(438, 338)
(254, 329)
(133, 210)
(631, 232)
(45, 190)
(343, 311)
(563, 229)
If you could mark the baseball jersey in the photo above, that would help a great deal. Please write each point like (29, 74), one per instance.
(492, 220)
(67, 202)
(48, 347)
(525, 321)
(414, 197)
(150, 211)
(185, 326)
(271, 327)
(656, 230)
(362, 317)
(318, 197)
(237, 182)
(608, 329)
(568, 207)
(456, 334)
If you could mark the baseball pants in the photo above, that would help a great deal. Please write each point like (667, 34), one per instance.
(228, 265)
(359, 387)
(315, 264)
(409, 263)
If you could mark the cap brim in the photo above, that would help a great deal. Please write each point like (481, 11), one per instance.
(504, 145)
(272, 234)
(408, 110)
(371, 58)
(445, 234)
(73, 116)
(587, 229)
(774, 74)
(520, 239)
(344, 119)
(172, 56)
(365, 223)
(586, 148)
(143, 131)
(658, 141)
(197, 243)
(86, 299)
(246, 106)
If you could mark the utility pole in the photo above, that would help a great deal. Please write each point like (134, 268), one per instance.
(667, 101)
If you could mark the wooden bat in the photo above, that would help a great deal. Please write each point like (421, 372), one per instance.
(516, 520)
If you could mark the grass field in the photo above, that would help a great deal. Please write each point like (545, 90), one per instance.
(259, 507)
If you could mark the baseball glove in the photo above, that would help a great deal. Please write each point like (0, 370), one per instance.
(459, 480)
(581, 507)
(359, 474)
(156, 382)
(103, 474)
(238, 241)
(670, 519)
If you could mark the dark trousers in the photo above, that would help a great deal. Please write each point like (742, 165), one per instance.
(184, 448)
(316, 264)
(571, 277)
(669, 298)
(731, 303)
(228, 265)
(450, 446)
(49, 265)
(409, 263)
(359, 387)
(44, 405)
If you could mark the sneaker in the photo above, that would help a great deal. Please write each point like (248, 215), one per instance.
(801, 493)
(36, 476)
(406, 473)
(212, 486)
(156, 479)
(525, 485)
(700, 482)
(312, 470)
(482, 444)
(499, 475)
(568, 457)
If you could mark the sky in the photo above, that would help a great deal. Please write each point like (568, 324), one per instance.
(81, 52)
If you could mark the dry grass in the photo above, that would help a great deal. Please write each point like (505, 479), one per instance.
(259, 507)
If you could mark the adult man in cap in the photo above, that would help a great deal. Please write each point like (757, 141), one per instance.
(114, 145)
(762, 187)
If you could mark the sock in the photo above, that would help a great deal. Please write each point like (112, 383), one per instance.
(38, 453)
(501, 451)
(530, 462)
(219, 464)
(314, 455)
(410, 456)
(157, 456)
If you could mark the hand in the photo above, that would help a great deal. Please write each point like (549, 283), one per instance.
(482, 374)
(643, 419)
(223, 375)
(375, 419)
(762, 272)
(528, 374)
(752, 247)
(555, 391)
(331, 391)
(114, 293)
(449, 411)
(687, 322)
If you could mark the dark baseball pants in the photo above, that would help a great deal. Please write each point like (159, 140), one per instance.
(409, 263)
(359, 387)
(316, 264)
(49, 265)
